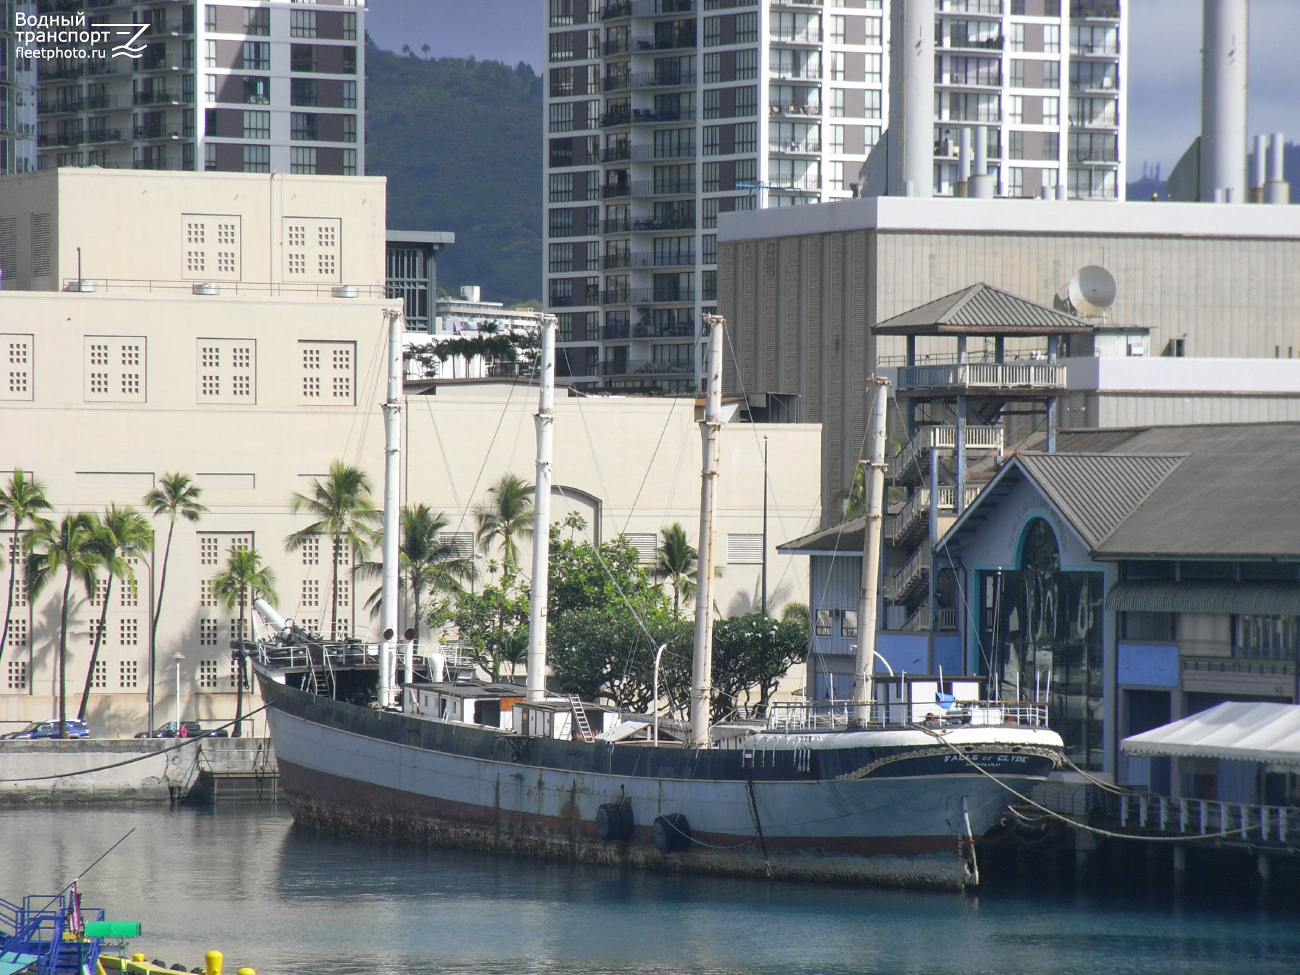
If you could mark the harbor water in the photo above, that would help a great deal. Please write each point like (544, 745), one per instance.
(283, 900)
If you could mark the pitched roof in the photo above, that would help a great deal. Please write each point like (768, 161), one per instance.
(843, 537)
(1235, 496)
(982, 310)
(1097, 492)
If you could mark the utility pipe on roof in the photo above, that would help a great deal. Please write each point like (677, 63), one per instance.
(918, 97)
(1277, 189)
(1223, 100)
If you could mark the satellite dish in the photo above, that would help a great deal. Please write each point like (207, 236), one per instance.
(1092, 290)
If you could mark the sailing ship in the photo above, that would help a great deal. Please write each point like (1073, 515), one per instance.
(894, 786)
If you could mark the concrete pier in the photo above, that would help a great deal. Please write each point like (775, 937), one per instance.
(52, 771)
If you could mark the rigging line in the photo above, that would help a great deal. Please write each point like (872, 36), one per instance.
(84, 872)
(487, 454)
(671, 411)
(1097, 831)
(380, 369)
(347, 443)
(365, 398)
(731, 348)
(137, 758)
(442, 449)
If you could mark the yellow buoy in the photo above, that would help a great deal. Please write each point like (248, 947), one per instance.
(137, 957)
(212, 963)
(247, 971)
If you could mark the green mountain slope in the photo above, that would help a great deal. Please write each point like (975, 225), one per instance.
(461, 145)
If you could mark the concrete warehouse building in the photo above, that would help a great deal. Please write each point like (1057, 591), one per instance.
(245, 347)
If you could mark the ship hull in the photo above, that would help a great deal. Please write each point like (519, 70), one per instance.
(356, 771)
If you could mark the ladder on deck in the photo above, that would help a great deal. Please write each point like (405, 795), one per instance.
(580, 715)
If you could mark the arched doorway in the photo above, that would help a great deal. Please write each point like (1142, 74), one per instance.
(1040, 639)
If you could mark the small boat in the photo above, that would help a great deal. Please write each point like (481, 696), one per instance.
(51, 934)
(894, 786)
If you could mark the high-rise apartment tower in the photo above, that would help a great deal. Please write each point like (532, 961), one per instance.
(661, 114)
(238, 86)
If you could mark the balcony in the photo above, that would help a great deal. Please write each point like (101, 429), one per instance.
(61, 107)
(619, 225)
(623, 152)
(971, 44)
(645, 116)
(618, 368)
(647, 187)
(985, 377)
(799, 111)
(805, 36)
(61, 140)
(580, 299)
(663, 79)
(1106, 155)
(153, 133)
(777, 182)
(102, 103)
(157, 96)
(679, 41)
(628, 259)
(614, 333)
(101, 136)
(647, 296)
(919, 622)
(1094, 9)
(804, 147)
(651, 224)
(681, 330)
(618, 9)
(913, 460)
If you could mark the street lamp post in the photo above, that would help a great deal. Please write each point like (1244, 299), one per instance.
(178, 657)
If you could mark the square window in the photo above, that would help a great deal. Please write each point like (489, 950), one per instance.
(128, 674)
(311, 551)
(302, 159)
(99, 676)
(207, 632)
(18, 673)
(129, 632)
(208, 675)
(257, 159)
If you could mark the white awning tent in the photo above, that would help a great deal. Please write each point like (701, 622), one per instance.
(1239, 730)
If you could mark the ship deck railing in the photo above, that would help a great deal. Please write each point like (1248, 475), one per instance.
(841, 715)
(338, 655)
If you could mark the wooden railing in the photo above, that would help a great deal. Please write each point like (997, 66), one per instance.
(1201, 817)
(986, 375)
(942, 438)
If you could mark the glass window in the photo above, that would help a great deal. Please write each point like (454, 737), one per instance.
(257, 125)
(257, 56)
(822, 621)
(257, 159)
(746, 137)
(349, 94)
(1038, 620)
(257, 21)
(849, 622)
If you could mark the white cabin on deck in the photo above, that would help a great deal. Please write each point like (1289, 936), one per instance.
(469, 702)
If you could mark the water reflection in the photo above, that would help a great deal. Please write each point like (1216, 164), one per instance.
(289, 901)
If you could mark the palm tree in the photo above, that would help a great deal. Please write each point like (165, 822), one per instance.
(243, 571)
(21, 500)
(506, 514)
(428, 560)
(176, 496)
(69, 545)
(120, 534)
(345, 513)
(676, 560)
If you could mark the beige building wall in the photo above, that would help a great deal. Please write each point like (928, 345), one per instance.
(149, 231)
(253, 397)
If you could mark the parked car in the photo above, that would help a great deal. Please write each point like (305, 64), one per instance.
(77, 728)
(190, 729)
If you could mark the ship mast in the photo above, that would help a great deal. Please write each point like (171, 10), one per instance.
(545, 422)
(702, 663)
(864, 673)
(392, 502)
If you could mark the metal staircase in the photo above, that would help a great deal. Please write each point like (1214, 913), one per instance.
(580, 715)
(37, 936)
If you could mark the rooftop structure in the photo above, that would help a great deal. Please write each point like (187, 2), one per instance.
(412, 257)
(121, 230)
(807, 290)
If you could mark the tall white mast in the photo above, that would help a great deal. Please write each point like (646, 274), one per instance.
(702, 664)
(392, 510)
(545, 421)
(864, 672)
